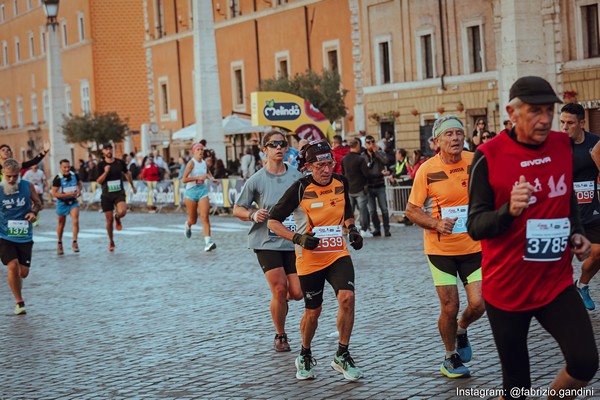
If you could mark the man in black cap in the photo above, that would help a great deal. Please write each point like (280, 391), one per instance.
(523, 209)
(113, 193)
(321, 208)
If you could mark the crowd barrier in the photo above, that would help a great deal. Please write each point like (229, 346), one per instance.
(397, 199)
(165, 193)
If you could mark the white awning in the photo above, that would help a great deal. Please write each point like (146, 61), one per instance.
(232, 125)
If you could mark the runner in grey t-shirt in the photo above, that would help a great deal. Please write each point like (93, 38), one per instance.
(275, 255)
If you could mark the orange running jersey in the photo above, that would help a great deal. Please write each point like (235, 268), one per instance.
(318, 209)
(443, 190)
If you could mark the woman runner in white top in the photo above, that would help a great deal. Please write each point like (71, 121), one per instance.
(275, 255)
(196, 195)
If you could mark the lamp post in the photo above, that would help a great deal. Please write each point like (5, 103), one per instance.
(56, 89)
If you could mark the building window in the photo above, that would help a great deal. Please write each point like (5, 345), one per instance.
(425, 55)
(279, 2)
(473, 47)
(68, 100)
(383, 60)
(163, 92)
(2, 117)
(81, 26)
(34, 109)
(63, 27)
(331, 52)
(5, 53)
(16, 7)
(160, 18)
(237, 86)
(589, 28)
(46, 105)
(282, 64)
(85, 97)
(234, 8)
(20, 119)
(8, 114)
(2, 13)
(17, 50)
(28, 5)
(31, 45)
(42, 40)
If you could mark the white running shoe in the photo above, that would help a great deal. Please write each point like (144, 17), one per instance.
(210, 246)
(366, 234)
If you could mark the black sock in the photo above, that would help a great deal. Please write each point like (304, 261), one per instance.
(342, 348)
(305, 352)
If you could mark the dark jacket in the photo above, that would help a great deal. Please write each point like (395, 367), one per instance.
(354, 168)
(376, 163)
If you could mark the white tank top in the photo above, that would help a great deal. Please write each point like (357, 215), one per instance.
(198, 170)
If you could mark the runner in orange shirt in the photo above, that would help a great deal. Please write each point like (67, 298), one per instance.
(441, 187)
(321, 206)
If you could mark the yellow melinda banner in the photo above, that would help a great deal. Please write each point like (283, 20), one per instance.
(291, 112)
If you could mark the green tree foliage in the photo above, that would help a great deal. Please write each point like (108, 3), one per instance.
(95, 128)
(323, 91)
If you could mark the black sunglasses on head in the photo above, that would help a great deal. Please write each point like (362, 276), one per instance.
(274, 143)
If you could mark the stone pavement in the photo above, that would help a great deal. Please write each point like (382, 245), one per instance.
(161, 319)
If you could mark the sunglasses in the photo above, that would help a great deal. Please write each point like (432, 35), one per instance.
(485, 137)
(274, 143)
(324, 164)
(369, 141)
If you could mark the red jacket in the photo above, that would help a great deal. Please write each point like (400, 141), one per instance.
(150, 173)
(338, 154)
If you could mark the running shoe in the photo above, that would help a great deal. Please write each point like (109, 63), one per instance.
(59, 249)
(281, 343)
(345, 365)
(20, 310)
(463, 347)
(75, 247)
(188, 231)
(36, 222)
(111, 247)
(210, 246)
(304, 367)
(584, 292)
(453, 367)
(118, 224)
(376, 233)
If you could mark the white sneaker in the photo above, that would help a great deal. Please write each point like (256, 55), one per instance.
(210, 246)
(366, 234)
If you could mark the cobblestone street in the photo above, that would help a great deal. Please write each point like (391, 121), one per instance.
(161, 319)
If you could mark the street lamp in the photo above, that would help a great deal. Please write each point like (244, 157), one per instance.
(56, 90)
(51, 10)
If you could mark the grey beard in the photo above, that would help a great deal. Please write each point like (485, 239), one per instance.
(8, 188)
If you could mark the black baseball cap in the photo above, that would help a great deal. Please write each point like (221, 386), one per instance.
(533, 90)
(107, 145)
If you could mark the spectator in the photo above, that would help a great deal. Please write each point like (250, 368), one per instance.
(220, 171)
(248, 163)
(354, 168)
(339, 151)
(418, 160)
(480, 126)
(376, 162)
(133, 167)
(151, 172)
(387, 145)
(486, 136)
(400, 175)
(82, 171)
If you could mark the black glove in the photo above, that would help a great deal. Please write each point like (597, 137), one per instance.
(356, 241)
(306, 240)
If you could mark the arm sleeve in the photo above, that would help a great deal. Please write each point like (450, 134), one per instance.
(288, 202)
(35, 160)
(484, 220)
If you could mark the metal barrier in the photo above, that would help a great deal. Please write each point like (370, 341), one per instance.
(397, 199)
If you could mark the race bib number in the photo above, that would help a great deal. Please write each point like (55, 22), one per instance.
(584, 191)
(114, 186)
(18, 228)
(546, 239)
(69, 189)
(460, 212)
(289, 223)
(331, 238)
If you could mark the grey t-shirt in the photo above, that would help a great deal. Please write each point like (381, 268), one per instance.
(265, 189)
